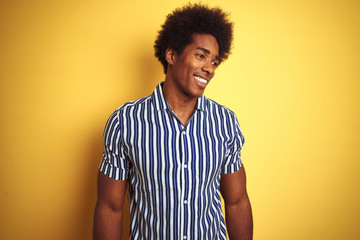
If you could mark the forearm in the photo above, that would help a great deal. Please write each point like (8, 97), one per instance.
(239, 222)
(107, 223)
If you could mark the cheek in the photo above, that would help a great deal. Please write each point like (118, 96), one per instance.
(194, 65)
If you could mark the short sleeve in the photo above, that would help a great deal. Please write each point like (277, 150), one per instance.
(114, 163)
(232, 162)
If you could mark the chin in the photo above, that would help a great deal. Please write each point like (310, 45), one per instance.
(196, 94)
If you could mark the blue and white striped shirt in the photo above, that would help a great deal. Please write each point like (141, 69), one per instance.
(173, 170)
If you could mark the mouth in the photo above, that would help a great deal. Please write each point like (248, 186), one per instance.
(201, 80)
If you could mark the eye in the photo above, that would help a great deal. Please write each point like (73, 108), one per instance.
(201, 56)
(215, 64)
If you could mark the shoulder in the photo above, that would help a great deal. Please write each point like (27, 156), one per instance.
(130, 107)
(133, 105)
(127, 109)
(216, 108)
(224, 116)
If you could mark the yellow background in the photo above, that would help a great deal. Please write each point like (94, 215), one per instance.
(293, 80)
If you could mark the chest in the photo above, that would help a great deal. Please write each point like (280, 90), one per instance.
(160, 147)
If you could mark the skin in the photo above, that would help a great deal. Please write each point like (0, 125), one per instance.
(181, 90)
(238, 214)
(109, 208)
(198, 59)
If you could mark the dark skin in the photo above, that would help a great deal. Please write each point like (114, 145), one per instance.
(186, 79)
(182, 86)
(108, 216)
(238, 214)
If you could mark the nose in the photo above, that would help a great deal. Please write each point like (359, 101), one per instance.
(209, 68)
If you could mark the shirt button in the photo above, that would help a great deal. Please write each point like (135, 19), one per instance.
(183, 132)
(185, 237)
(185, 201)
(185, 166)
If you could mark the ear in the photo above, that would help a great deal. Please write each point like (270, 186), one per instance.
(170, 55)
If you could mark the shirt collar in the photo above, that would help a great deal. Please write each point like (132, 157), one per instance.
(160, 102)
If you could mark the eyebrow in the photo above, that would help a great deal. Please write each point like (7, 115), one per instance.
(208, 52)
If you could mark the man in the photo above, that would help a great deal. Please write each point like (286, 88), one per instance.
(175, 148)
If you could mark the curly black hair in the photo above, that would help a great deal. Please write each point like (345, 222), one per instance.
(183, 22)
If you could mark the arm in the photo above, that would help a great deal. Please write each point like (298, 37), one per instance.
(109, 208)
(238, 213)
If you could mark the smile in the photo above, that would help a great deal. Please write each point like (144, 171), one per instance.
(200, 79)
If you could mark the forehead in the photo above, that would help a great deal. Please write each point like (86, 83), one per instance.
(205, 41)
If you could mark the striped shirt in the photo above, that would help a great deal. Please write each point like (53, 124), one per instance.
(173, 170)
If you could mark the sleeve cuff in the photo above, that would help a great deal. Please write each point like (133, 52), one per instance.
(112, 171)
(233, 167)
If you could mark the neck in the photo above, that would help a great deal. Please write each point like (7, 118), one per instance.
(181, 104)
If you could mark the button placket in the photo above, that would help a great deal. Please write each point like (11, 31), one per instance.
(185, 175)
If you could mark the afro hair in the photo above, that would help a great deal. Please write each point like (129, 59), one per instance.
(182, 23)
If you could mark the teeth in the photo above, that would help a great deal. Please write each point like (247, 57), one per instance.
(200, 79)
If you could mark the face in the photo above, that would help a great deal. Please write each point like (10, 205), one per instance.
(191, 71)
